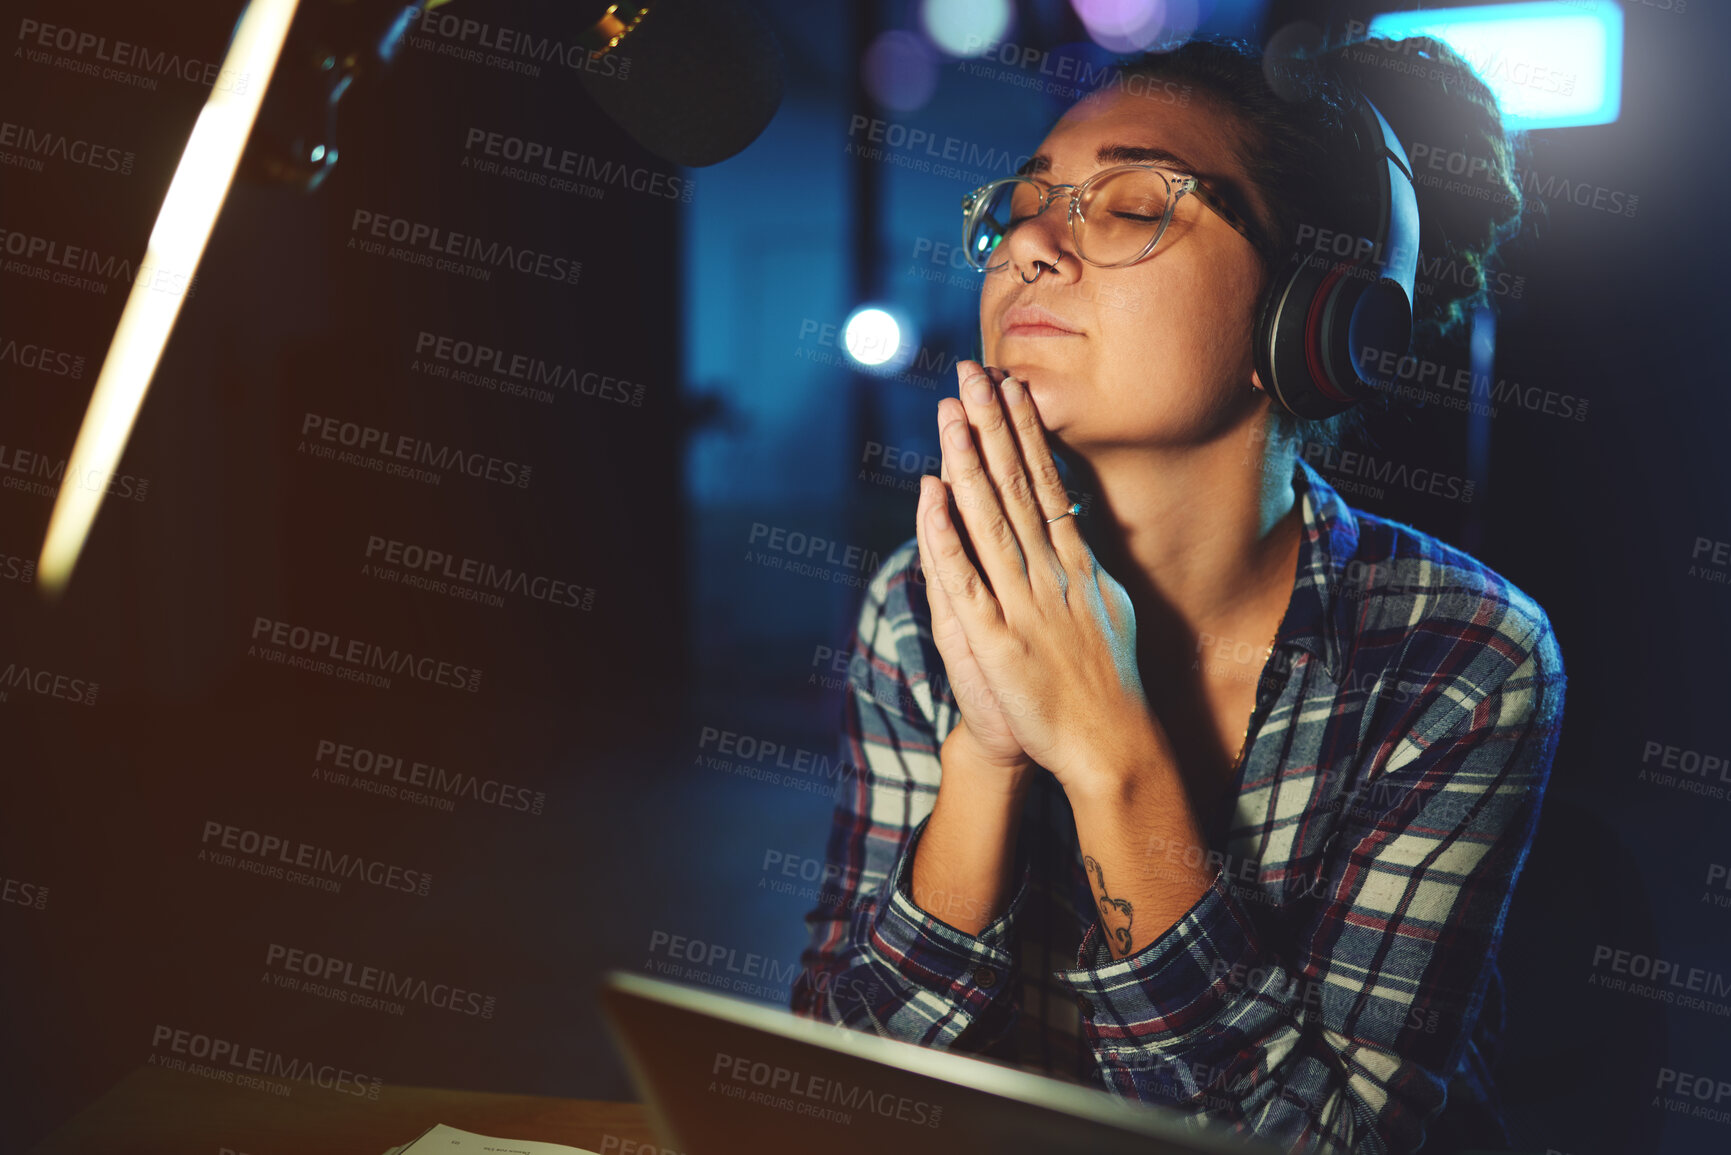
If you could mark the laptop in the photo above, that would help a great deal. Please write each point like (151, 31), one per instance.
(721, 1074)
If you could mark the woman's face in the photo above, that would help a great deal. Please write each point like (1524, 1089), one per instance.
(1160, 352)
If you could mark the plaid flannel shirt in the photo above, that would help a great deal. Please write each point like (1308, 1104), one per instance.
(1337, 985)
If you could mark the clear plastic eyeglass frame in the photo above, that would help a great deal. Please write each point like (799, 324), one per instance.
(1177, 184)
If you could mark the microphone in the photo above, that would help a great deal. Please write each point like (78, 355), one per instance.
(706, 78)
(334, 47)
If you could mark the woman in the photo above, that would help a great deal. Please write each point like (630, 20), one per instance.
(1220, 803)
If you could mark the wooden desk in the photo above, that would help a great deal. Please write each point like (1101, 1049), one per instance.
(158, 1112)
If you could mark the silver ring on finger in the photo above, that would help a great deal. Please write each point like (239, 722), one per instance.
(1075, 510)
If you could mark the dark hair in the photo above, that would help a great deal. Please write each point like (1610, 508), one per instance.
(1293, 104)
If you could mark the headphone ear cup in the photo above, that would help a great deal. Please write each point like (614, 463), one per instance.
(1378, 335)
(1331, 321)
(1288, 357)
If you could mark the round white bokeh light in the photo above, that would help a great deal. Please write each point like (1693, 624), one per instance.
(871, 336)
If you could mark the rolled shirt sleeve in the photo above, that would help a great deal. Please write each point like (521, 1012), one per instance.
(945, 980)
(1344, 1039)
(875, 960)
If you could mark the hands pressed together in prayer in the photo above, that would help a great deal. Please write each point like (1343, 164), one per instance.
(1038, 640)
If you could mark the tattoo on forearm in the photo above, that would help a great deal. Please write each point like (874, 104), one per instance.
(1115, 913)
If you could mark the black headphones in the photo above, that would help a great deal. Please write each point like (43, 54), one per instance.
(1334, 327)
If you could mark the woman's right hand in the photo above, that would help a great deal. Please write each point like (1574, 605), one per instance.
(983, 715)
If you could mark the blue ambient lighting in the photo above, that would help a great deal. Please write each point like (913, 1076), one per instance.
(1556, 64)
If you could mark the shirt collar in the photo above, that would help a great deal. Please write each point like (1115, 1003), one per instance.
(1313, 618)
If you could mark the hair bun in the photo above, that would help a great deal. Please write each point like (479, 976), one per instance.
(1462, 159)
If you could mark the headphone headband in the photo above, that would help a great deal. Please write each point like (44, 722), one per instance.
(1328, 322)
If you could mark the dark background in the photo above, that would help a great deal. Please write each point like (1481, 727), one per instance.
(749, 418)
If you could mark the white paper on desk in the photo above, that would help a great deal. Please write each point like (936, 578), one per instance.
(450, 1141)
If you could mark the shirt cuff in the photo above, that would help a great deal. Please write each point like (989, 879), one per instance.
(1174, 986)
(971, 968)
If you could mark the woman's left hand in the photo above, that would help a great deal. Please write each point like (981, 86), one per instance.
(1054, 635)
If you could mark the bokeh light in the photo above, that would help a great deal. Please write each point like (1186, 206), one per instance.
(900, 70)
(966, 27)
(871, 336)
(1128, 26)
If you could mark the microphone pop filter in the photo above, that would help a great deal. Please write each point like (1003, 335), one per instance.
(705, 80)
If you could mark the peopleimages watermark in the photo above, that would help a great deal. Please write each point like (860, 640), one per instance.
(370, 987)
(1432, 272)
(612, 1144)
(770, 761)
(26, 147)
(89, 54)
(894, 467)
(563, 170)
(81, 267)
(17, 569)
(17, 892)
(1477, 177)
(1457, 387)
(843, 663)
(1060, 73)
(520, 374)
(797, 552)
(1181, 859)
(273, 856)
(45, 683)
(922, 367)
(921, 150)
(393, 774)
(1710, 560)
(1490, 61)
(1685, 769)
(1364, 474)
(40, 358)
(507, 49)
(945, 262)
(780, 868)
(1661, 980)
(1355, 472)
(40, 475)
(714, 964)
(466, 578)
(765, 1084)
(783, 870)
(1699, 1096)
(1675, 6)
(1211, 1086)
(440, 249)
(1718, 884)
(352, 659)
(402, 455)
(901, 468)
(227, 1061)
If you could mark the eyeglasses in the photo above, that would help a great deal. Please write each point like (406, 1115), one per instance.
(1116, 216)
